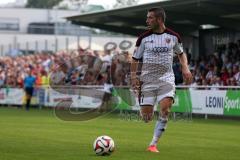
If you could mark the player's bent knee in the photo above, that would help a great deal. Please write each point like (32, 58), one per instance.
(146, 117)
(165, 112)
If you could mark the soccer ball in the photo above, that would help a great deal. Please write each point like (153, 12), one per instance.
(103, 145)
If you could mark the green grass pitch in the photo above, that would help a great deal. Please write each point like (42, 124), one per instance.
(39, 135)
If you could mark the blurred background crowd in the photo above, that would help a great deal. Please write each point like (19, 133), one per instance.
(83, 67)
(218, 69)
(88, 67)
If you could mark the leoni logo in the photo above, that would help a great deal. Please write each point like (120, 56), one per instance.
(214, 102)
(220, 102)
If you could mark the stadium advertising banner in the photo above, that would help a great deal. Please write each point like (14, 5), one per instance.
(86, 102)
(182, 101)
(126, 99)
(53, 98)
(232, 103)
(218, 102)
(208, 101)
(12, 96)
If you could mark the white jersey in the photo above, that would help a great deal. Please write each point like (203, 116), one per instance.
(156, 50)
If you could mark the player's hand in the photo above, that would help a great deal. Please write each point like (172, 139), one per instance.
(135, 85)
(187, 76)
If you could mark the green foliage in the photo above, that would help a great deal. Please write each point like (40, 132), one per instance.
(42, 3)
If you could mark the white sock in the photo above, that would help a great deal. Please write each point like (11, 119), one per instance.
(160, 127)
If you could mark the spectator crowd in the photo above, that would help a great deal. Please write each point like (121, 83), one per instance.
(83, 67)
(221, 68)
(87, 67)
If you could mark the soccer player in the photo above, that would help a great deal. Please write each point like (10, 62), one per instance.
(155, 48)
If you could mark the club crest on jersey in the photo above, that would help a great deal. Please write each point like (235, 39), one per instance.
(168, 40)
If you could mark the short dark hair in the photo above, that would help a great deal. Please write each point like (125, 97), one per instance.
(159, 12)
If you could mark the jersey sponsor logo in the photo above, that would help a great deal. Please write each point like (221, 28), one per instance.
(149, 41)
(160, 49)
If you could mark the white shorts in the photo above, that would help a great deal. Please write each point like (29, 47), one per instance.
(152, 93)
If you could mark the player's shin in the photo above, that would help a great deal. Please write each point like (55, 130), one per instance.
(160, 127)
